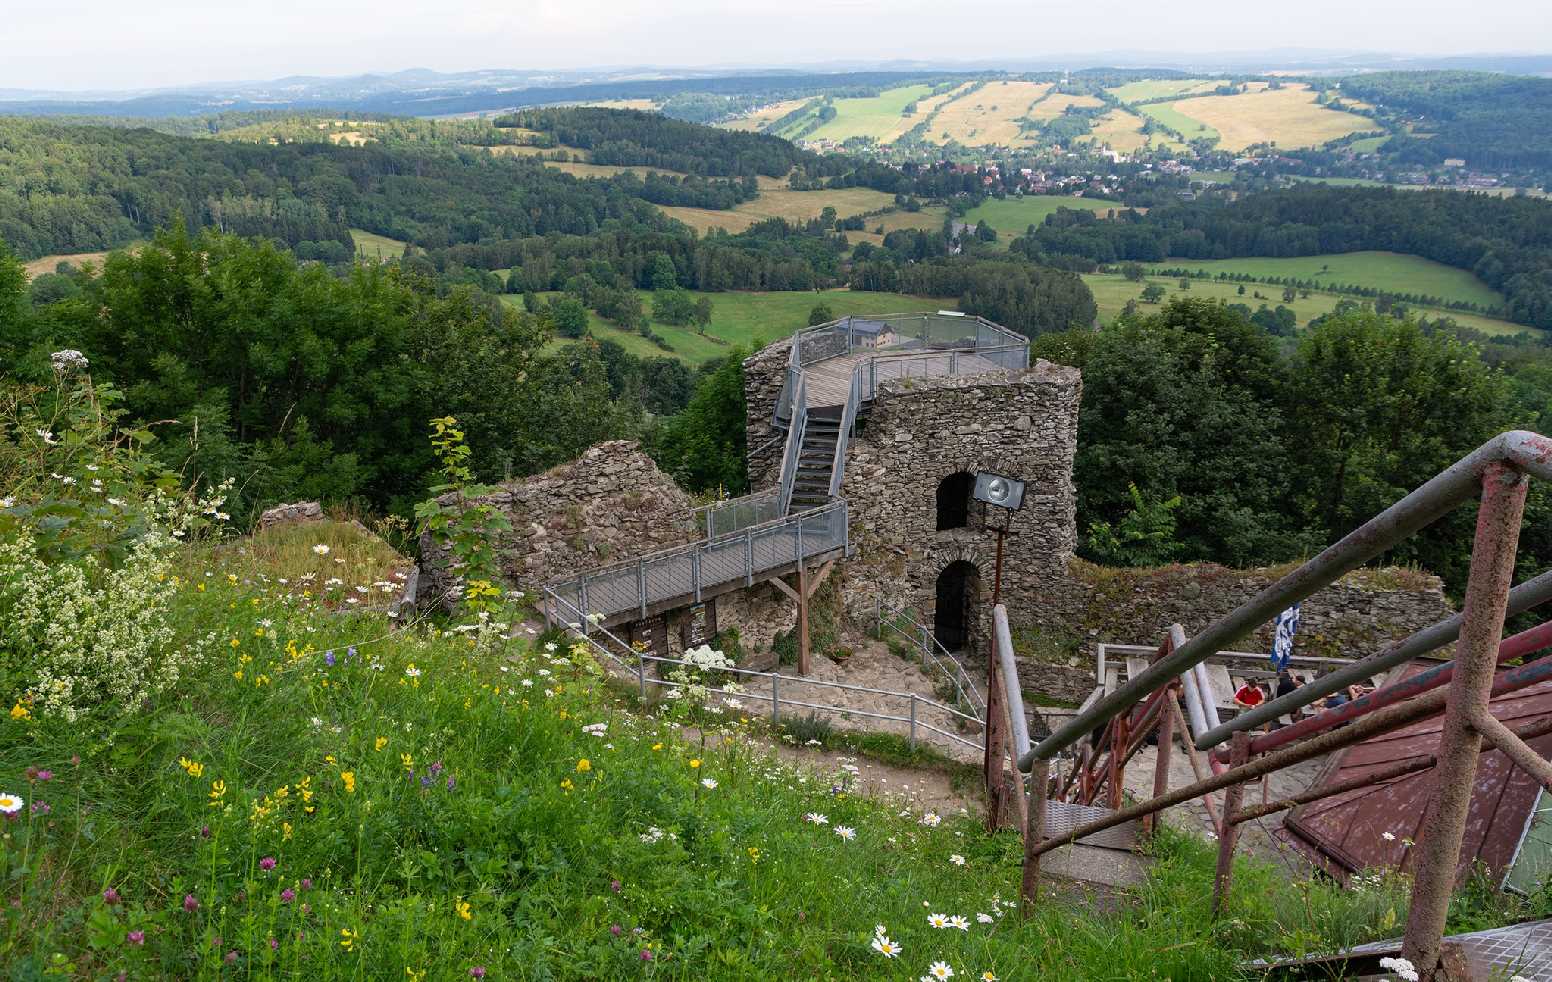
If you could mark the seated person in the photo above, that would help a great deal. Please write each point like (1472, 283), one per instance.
(1249, 696)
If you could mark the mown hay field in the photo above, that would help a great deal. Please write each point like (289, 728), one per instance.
(1189, 128)
(794, 206)
(1058, 103)
(924, 109)
(1288, 117)
(370, 245)
(927, 219)
(759, 119)
(1122, 131)
(989, 115)
(1158, 88)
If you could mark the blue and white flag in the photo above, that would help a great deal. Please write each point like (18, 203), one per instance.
(1282, 644)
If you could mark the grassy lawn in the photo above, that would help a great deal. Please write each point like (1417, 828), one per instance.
(1288, 117)
(872, 117)
(1012, 216)
(370, 245)
(1112, 291)
(749, 319)
(1393, 272)
(1190, 129)
(780, 202)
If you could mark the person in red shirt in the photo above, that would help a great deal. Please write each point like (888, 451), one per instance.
(1249, 696)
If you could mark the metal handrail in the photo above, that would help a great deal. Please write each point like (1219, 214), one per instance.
(843, 436)
(925, 642)
(584, 632)
(797, 426)
(1524, 451)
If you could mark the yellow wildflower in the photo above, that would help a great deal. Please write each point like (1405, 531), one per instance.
(415, 976)
(328, 758)
(285, 831)
(349, 777)
(19, 711)
(463, 909)
(407, 761)
(584, 764)
(657, 746)
(754, 854)
(695, 762)
(379, 743)
(217, 792)
(237, 675)
(191, 768)
(566, 783)
(235, 643)
(348, 938)
(200, 588)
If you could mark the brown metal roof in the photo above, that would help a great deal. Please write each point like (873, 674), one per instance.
(1346, 832)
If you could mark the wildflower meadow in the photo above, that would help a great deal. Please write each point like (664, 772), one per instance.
(258, 767)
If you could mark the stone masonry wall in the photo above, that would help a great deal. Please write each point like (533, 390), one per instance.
(607, 505)
(920, 431)
(764, 374)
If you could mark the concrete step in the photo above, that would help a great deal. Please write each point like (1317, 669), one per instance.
(1096, 864)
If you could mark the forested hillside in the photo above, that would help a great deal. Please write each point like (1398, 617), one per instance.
(1490, 120)
(1506, 242)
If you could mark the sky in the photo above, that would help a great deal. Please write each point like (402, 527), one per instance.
(110, 44)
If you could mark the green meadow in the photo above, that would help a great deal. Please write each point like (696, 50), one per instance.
(1012, 216)
(1392, 272)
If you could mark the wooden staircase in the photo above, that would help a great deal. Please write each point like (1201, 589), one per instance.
(816, 460)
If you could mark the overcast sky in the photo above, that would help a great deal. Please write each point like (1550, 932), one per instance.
(78, 44)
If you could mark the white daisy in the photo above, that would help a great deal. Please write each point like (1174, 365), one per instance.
(958, 920)
(984, 918)
(884, 946)
(957, 859)
(846, 832)
(931, 820)
(708, 783)
(937, 920)
(940, 970)
(10, 804)
(321, 549)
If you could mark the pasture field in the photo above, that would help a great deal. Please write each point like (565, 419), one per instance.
(924, 108)
(1346, 182)
(989, 115)
(927, 218)
(1369, 144)
(758, 120)
(1011, 216)
(872, 117)
(1158, 88)
(1392, 272)
(525, 150)
(1288, 117)
(47, 264)
(606, 170)
(747, 318)
(794, 206)
(1122, 131)
(1056, 103)
(370, 245)
(1191, 129)
(1112, 291)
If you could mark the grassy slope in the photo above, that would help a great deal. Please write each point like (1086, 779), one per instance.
(1112, 291)
(874, 117)
(374, 246)
(794, 206)
(1011, 216)
(747, 318)
(1288, 116)
(1390, 271)
(479, 826)
(1158, 88)
(1190, 129)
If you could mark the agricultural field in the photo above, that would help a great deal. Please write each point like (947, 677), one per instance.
(927, 218)
(47, 264)
(1369, 144)
(1012, 216)
(924, 109)
(1191, 129)
(748, 319)
(606, 170)
(759, 119)
(989, 115)
(1112, 291)
(1288, 117)
(1057, 103)
(872, 117)
(1122, 131)
(794, 206)
(370, 245)
(1159, 88)
(1392, 272)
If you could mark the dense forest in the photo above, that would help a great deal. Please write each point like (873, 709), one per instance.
(1492, 121)
(1506, 242)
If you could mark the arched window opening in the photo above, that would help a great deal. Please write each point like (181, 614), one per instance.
(954, 494)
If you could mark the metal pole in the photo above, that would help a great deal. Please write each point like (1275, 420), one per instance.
(641, 675)
(1460, 743)
(913, 721)
(997, 575)
(641, 586)
(775, 696)
(1161, 760)
(1229, 835)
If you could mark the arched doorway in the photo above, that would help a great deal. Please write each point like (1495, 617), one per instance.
(959, 588)
(954, 500)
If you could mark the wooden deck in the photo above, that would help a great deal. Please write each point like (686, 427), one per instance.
(829, 382)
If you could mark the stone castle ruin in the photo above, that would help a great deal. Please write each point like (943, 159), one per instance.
(865, 437)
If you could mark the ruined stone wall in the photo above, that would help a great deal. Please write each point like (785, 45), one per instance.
(920, 431)
(1363, 611)
(607, 505)
(764, 374)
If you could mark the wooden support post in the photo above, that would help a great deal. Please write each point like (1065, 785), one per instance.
(1018, 789)
(1197, 767)
(1034, 832)
(1118, 744)
(1229, 835)
(803, 666)
(1161, 759)
(991, 765)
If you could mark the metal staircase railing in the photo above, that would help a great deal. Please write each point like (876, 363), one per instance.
(793, 452)
(933, 653)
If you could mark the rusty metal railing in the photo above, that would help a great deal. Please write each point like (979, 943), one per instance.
(1498, 472)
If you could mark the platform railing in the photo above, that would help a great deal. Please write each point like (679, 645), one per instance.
(890, 617)
(686, 573)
